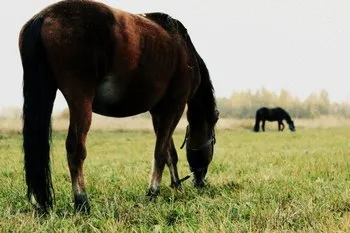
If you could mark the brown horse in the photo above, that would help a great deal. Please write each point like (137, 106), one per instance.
(118, 64)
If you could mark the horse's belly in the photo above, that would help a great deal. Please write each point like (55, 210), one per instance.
(106, 107)
(108, 91)
(116, 111)
(116, 99)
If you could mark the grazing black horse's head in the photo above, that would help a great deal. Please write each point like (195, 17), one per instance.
(291, 126)
(200, 149)
(200, 157)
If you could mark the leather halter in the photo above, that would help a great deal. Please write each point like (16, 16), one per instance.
(211, 141)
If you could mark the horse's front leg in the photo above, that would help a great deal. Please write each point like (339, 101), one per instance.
(263, 126)
(165, 153)
(282, 126)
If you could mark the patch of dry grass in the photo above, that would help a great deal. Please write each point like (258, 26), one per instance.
(145, 123)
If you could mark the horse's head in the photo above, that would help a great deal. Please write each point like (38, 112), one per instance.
(200, 150)
(291, 126)
(199, 158)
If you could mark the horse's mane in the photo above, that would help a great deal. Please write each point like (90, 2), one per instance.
(167, 22)
(206, 89)
(207, 93)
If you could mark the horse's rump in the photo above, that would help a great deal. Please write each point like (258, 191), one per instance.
(127, 56)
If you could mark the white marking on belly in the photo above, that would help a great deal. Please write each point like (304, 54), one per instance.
(108, 91)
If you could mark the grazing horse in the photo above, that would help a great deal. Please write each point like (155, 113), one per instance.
(272, 114)
(117, 64)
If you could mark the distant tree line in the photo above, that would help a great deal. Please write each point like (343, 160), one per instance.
(244, 104)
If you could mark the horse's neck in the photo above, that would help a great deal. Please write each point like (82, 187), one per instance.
(287, 118)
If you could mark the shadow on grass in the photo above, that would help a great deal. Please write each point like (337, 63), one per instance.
(188, 192)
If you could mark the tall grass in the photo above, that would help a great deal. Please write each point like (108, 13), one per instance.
(258, 182)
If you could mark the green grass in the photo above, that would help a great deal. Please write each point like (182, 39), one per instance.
(258, 182)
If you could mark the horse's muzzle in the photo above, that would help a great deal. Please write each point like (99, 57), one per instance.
(199, 177)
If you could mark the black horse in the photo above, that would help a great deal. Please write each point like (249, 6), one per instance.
(273, 114)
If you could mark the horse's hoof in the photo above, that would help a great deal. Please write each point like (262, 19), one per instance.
(41, 211)
(175, 185)
(81, 203)
(152, 194)
(83, 208)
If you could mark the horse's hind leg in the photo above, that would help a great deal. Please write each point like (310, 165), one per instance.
(164, 124)
(76, 154)
(257, 125)
(80, 107)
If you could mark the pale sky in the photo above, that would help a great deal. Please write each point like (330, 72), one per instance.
(299, 45)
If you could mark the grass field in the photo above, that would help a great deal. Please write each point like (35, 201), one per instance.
(258, 182)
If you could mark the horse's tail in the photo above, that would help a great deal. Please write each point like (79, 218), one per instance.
(204, 95)
(39, 93)
(257, 121)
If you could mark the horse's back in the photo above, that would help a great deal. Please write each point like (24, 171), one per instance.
(271, 114)
(280, 111)
(130, 60)
(262, 111)
(95, 31)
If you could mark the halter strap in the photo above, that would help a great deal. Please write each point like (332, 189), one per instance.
(212, 140)
(185, 139)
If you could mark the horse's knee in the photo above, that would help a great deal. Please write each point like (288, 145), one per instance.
(160, 159)
(173, 156)
(161, 155)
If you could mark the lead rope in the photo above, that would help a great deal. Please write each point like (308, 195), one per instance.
(185, 139)
(181, 147)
